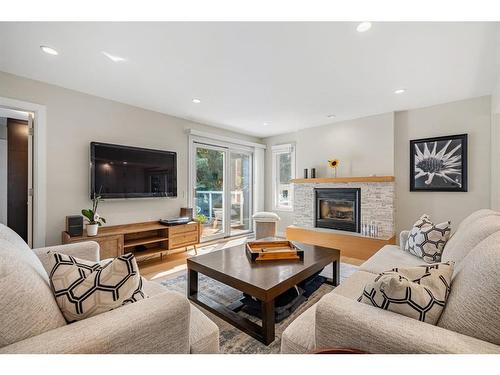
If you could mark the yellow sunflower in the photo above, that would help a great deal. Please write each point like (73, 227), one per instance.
(334, 163)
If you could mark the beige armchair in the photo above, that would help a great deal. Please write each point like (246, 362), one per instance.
(30, 320)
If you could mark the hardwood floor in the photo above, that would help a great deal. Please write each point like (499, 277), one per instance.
(161, 269)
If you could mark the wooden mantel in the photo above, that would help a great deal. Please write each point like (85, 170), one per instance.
(322, 180)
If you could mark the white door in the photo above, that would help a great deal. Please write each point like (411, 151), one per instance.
(222, 188)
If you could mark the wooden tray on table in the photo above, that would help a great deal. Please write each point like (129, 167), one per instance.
(273, 250)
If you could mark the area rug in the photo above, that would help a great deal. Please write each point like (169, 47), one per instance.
(232, 340)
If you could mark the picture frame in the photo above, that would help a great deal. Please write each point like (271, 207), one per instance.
(439, 164)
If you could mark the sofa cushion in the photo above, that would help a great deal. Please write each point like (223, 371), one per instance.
(474, 229)
(426, 239)
(27, 306)
(84, 288)
(473, 304)
(475, 216)
(417, 292)
(388, 257)
(352, 287)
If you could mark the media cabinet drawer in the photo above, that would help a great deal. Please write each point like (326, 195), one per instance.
(186, 228)
(183, 240)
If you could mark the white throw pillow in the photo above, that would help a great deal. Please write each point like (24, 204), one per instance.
(417, 292)
(84, 289)
(426, 239)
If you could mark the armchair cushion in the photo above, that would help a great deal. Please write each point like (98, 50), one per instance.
(9, 235)
(203, 333)
(84, 289)
(11, 242)
(342, 322)
(28, 307)
(88, 250)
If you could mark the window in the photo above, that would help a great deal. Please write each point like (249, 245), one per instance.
(283, 173)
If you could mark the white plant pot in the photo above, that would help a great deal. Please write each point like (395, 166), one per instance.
(92, 229)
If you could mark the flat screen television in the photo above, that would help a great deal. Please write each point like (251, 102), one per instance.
(132, 172)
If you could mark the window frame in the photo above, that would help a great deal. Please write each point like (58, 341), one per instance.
(278, 150)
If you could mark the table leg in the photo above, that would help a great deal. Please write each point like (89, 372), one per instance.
(268, 321)
(336, 272)
(192, 281)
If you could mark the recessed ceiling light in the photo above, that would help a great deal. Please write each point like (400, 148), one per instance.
(113, 58)
(364, 26)
(266, 124)
(331, 116)
(49, 50)
(399, 91)
(196, 101)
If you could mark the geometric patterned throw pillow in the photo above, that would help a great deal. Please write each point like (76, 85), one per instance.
(426, 240)
(417, 292)
(84, 289)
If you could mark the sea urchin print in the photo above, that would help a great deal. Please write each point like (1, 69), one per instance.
(433, 160)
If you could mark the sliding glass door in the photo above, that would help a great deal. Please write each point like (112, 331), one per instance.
(222, 190)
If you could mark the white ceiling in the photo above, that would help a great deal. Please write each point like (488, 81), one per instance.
(290, 75)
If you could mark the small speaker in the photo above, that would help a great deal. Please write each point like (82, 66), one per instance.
(74, 225)
(186, 212)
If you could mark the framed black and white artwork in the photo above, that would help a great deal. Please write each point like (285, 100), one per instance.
(439, 164)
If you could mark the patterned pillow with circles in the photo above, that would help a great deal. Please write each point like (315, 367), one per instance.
(417, 292)
(83, 288)
(426, 239)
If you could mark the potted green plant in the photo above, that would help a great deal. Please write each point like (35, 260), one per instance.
(94, 221)
(200, 218)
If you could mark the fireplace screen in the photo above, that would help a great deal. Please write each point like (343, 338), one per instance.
(338, 209)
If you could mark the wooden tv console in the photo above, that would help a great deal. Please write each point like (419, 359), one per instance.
(157, 238)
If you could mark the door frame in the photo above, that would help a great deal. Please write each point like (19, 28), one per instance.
(217, 144)
(39, 164)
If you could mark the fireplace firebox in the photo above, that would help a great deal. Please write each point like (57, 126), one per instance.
(338, 208)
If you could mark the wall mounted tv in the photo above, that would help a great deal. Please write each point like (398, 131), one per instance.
(132, 172)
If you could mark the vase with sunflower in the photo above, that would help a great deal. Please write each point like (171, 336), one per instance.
(333, 164)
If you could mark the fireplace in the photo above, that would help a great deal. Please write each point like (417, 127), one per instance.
(338, 209)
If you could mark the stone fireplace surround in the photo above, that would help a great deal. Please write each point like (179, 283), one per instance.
(377, 202)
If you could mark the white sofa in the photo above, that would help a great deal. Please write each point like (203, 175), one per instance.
(470, 322)
(31, 322)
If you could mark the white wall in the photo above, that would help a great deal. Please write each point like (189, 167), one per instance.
(470, 116)
(73, 121)
(495, 147)
(364, 147)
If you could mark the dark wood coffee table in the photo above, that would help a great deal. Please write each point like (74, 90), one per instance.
(264, 280)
